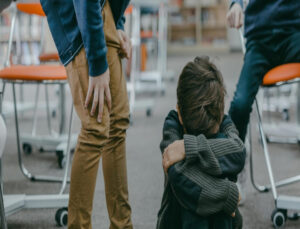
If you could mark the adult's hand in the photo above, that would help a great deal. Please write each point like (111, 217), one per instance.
(235, 16)
(125, 44)
(175, 152)
(98, 90)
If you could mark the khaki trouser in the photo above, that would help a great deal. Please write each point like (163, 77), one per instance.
(95, 140)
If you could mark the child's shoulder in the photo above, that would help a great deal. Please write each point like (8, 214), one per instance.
(172, 120)
(226, 121)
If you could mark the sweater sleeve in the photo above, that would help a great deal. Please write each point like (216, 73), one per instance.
(121, 22)
(172, 130)
(201, 193)
(218, 156)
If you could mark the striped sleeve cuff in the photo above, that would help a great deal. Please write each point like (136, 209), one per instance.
(191, 147)
(232, 199)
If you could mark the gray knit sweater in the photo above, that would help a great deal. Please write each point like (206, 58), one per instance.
(198, 182)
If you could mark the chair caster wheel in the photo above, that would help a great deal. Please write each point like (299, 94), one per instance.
(61, 159)
(278, 217)
(286, 115)
(27, 148)
(61, 217)
(148, 112)
(53, 114)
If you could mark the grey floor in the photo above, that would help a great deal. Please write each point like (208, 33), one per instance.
(144, 164)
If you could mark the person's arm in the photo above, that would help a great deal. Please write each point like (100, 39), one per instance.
(201, 193)
(235, 15)
(89, 18)
(218, 156)
(121, 22)
(172, 130)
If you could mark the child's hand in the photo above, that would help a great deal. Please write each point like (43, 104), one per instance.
(175, 152)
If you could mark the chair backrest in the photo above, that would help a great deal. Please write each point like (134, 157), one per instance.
(31, 8)
(3, 134)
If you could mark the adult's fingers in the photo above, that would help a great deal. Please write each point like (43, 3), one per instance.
(95, 101)
(236, 20)
(228, 17)
(241, 19)
(88, 96)
(101, 103)
(108, 98)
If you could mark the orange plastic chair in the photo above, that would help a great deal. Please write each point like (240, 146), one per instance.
(33, 73)
(129, 10)
(31, 8)
(282, 73)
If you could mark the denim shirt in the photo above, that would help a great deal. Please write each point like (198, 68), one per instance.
(267, 17)
(78, 23)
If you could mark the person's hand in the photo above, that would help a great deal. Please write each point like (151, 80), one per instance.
(98, 89)
(125, 44)
(233, 214)
(235, 16)
(175, 152)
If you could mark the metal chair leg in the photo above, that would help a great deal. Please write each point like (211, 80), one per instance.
(68, 153)
(23, 169)
(48, 110)
(2, 208)
(266, 153)
(258, 187)
(265, 188)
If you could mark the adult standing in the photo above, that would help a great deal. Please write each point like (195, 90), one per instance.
(272, 30)
(90, 40)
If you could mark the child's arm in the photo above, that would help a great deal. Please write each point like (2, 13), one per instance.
(172, 130)
(201, 193)
(218, 156)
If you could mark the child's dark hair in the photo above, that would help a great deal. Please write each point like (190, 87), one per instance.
(200, 97)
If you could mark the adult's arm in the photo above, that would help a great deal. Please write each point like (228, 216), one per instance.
(89, 18)
(121, 22)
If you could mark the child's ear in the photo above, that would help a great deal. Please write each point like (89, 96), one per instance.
(179, 115)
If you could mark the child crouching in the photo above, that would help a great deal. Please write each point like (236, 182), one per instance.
(202, 155)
